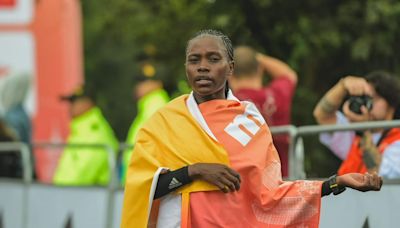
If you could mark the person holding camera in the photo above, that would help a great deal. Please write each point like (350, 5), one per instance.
(357, 99)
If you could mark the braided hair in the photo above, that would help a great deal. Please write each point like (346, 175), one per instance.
(388, 87)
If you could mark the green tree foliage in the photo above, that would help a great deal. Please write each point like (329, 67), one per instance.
(322, 40)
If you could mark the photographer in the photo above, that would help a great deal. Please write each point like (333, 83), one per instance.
(373, 98)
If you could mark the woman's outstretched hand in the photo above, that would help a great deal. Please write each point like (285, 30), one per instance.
(361, 182)
(225, 178)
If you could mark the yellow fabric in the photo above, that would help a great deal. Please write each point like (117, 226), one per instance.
(173, 139)
(147, 105)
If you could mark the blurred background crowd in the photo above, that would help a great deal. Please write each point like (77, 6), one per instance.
(131, 63)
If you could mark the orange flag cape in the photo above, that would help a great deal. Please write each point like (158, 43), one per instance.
(218, 131)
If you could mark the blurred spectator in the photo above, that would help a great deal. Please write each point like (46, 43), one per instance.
(273, 100)
(373, 98)
(10, 162)
(12, 95)
(150, 97)
(13, 92)
(85, 165)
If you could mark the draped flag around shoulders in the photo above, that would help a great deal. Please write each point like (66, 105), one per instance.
(229, 132)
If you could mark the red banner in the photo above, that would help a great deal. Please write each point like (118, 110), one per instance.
(7, 3)
(57, 29)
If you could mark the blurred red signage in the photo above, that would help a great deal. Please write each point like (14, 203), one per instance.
(7, 3)
(3, 71)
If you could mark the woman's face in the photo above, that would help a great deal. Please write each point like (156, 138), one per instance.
(80, 106)
(381, 110)
(207, 68)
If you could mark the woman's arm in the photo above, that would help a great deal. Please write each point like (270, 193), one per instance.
(225, 178)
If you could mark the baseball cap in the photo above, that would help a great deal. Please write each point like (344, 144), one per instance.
(77, 93)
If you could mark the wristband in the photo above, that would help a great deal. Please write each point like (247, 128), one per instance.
(336, 189)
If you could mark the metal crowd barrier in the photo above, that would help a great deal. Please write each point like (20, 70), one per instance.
(23, 149)
(110, 152)
(113, 184)
(296, 151)
(296, 147)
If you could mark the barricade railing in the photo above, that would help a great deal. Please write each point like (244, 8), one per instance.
(296, 147)
(295, 134)
(113, 183)
(296, 155)
(110, 152)
(317, 129)
(121, 150)
(295, 151)
(23, 149)
(125, 146)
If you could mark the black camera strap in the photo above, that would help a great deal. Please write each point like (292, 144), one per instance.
(383, 136)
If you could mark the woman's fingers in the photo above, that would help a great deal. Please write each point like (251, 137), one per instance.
(222, 187)
(234, 173)
(225, 178)
(225, 185)
(235, 180)
(373, 181)
(377, 181)
(231, 179)
(228, 183)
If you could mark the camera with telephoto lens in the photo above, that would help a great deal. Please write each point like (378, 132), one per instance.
(356, 102)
